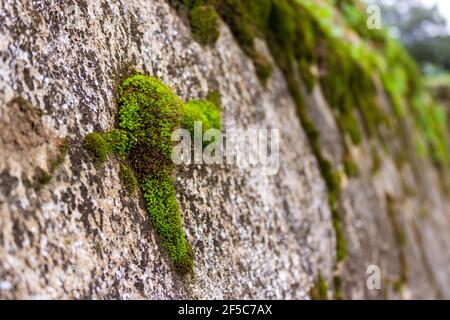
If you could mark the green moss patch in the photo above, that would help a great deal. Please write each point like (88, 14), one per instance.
(201, 110)
(127, 177)
(149, 112)
(97, 147)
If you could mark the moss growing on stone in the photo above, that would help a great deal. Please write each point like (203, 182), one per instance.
(247, 20)
(341, 241)
(203, 19)
(118, 141)
(97, 147)
(204, 111)
(310, 50)
(376, 161)
(400, 241)
(320, 289)
(263, 68)
(62, 148)
(127, 177)
(149, 112)
(215, 97)
(161, 202)
(350, 167)
(204, 22)
(337, 282)
(41, 177)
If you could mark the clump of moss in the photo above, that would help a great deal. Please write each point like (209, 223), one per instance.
(376, 161)
(204, 22)
(149, 112)
(201, 110)
(41, 177)
(97, 147)
(320, 289)
(160, 199)
(127, 177)
(263, 67)
(351, 168)
(341, 242)
(247, 20)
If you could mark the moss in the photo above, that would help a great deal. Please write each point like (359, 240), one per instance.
(320, 289)
(63, 147)
(400, 240)
(204, 111)
(215, 97)
(303, 37)
(247, 20)
(119, 141)
(97, 147)
(204, 23)
(127, 177)
(398, 285)
(337, 282)
(161, 202)
(42, 177)
(349, 125)
(353, 12)
(149, 112)
(341, 242)
(351, 168)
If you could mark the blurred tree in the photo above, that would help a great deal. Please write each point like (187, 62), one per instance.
(422, 29)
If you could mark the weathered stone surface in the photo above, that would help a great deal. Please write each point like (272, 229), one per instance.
(254, 236)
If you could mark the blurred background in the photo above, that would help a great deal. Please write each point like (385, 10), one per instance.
(424, 29)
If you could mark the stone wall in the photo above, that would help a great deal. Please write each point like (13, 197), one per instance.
(78, 234)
